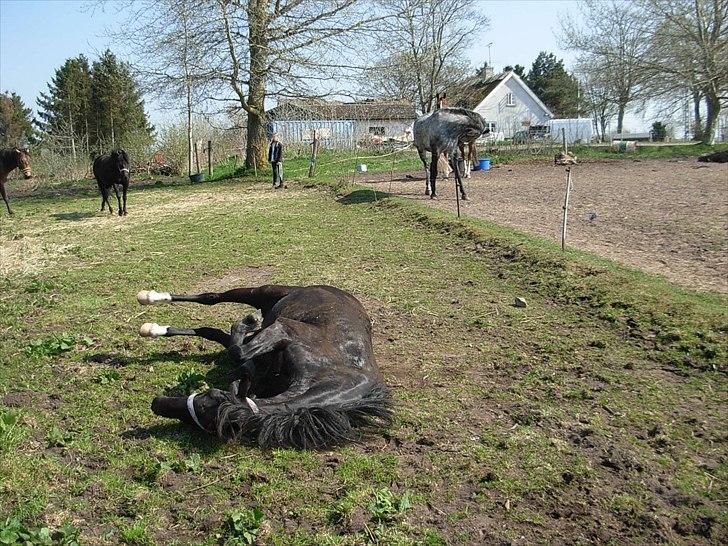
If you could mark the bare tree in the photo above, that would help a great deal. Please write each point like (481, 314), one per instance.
(689, 55)
(246, 52)
(596, 94)
(424, 50)
(614, 39)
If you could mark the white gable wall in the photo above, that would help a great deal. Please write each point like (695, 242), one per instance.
(509, 119)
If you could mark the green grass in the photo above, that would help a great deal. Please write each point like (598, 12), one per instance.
(594, 414)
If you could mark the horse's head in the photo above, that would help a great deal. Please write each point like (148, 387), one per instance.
(200, 409)
(120, 160)
(23, 158)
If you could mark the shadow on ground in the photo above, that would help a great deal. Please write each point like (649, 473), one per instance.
(72, 216)
(358, 197)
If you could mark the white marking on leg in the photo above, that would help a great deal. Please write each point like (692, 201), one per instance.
(149, 297)
(152, 329)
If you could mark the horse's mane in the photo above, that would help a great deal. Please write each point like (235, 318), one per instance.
(475, 118)
(311, 427)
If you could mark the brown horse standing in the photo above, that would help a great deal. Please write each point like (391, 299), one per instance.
(10, 159)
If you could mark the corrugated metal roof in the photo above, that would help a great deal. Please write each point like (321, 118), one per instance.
(334, 110)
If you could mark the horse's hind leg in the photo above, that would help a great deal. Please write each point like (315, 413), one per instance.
(5, 195)
(152, 329)
(105, 198)
(423, 158)
(262, 297)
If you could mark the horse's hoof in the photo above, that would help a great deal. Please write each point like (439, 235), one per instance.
(464, 198)
(149, 297)
(124, 213)
(152, 329)
(434, 196)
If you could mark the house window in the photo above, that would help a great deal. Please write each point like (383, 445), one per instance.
(376, 131)
(510, 101)
(490, 125)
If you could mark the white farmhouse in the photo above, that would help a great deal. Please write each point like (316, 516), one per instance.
(506, 103)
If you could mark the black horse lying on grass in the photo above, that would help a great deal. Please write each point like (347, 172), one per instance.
(309, 377)
(112, 170)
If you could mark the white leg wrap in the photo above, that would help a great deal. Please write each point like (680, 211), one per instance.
(149, 297)
(152, 329)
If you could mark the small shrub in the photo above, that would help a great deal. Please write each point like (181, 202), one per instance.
(187, 382)
(13, 532)
(58, 438)
(51, 346)
(136, 534)
(108, 376)
(243, 527)
(9, 430)
(192, 464)
(385, 508)
(148, 471)
(659, 131)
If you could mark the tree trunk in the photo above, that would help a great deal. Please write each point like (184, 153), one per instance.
(711, 116)
(622, 106)
(698, 122)
(189, 127)
(255, 152)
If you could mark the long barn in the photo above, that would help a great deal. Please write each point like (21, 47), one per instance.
(342, 125)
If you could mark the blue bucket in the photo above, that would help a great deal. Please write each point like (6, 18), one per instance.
(484, 165)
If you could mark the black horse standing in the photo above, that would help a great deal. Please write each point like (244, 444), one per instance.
(10, 159)
(112, 170)
(309, 376)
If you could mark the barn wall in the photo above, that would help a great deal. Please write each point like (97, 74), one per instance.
(509, 119)
(392, 128)
(335, 134)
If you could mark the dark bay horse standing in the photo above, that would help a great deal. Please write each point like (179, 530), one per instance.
(445, 131)
(12, 158)
(112, 170)
(309, 377)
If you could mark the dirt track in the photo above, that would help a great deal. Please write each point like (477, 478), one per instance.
(665, 216)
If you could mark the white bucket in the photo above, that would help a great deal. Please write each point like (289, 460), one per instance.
(361, 168)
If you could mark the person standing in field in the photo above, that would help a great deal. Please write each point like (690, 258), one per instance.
(275, 158)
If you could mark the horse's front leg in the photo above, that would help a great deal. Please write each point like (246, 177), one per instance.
(459, 168)
(5, 195)
(125, 187)
(433, 173)
(118, 199)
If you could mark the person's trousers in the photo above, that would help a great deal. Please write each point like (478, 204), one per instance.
(277, 174)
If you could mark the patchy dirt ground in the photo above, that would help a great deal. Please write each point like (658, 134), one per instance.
(665, 216)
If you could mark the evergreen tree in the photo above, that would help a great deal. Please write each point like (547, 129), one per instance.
(92, 108)
(518, 69)
(116, 103)
(16, 126)
(554, 85)
(65, 109)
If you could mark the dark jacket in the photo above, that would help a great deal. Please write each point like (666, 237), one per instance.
(275, 152)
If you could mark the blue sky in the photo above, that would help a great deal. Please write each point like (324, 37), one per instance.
(37, 36)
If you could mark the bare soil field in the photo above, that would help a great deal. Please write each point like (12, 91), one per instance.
(665, 216)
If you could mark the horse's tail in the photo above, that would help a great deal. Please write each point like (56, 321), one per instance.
(306, 427)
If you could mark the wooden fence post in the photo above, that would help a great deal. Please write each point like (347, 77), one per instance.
(566, 208)
(314, 153)
(209, 158)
